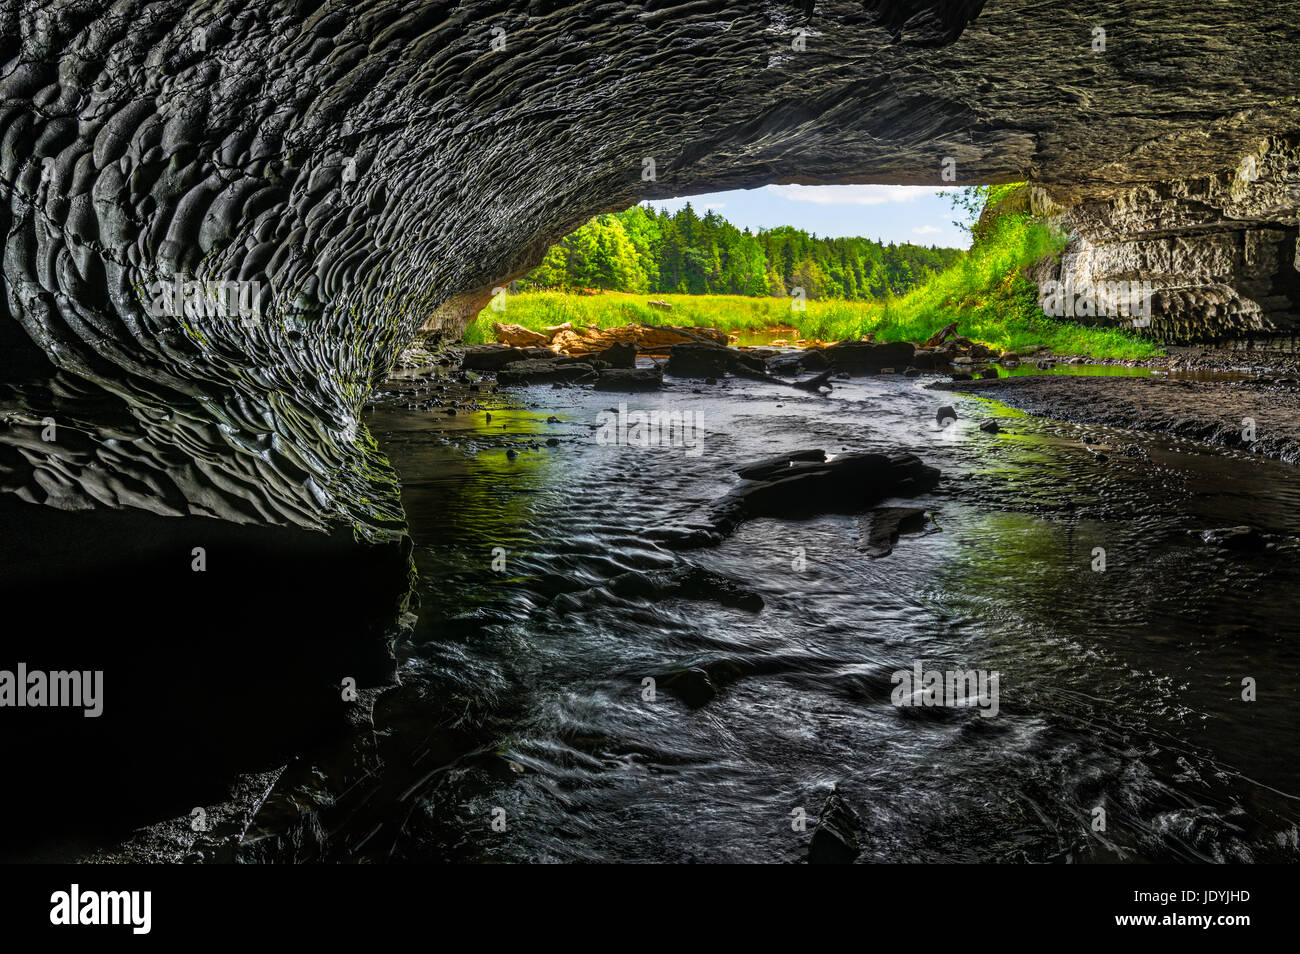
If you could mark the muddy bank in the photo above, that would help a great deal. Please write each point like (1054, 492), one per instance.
(1214, 412)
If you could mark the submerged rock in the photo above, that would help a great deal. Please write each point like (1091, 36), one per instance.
(687, 583)
(880, 529)
(1234, 538)
(835, 839)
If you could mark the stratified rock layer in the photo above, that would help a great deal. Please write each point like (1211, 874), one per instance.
(1217, 251)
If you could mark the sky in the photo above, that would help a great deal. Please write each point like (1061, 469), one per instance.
(916, 214)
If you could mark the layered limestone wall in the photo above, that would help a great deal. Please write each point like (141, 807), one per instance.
(1217, 253)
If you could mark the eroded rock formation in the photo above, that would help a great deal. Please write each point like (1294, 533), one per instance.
(1217, 250)
(379, 167)
(366, 169)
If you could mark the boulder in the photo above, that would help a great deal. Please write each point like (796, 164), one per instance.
(492, 357)
(923, 359)
(703, 360)
(858, 357)
(544, 372)
(785, 364)
(835, 839)
(773, 466)
(621, 354)
(814, 359)
(517, 336)
(630, 379)
(846, 484)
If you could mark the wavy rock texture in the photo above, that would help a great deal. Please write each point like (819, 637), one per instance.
(380, 166)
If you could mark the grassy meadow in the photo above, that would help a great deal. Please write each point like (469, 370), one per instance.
(985, 292)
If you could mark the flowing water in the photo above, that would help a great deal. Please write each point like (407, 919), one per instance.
(525, 701)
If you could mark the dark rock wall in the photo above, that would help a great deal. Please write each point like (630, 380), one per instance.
(379, 166)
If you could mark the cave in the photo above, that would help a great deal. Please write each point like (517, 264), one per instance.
(380, 169)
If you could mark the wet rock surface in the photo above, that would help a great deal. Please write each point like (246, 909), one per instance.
(802, 488)
(880, 529)
(1257, 417)
(528, 689)
(835, 839)
(630, 379)
(380, 169)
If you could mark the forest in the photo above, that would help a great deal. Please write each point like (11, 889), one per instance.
(640, 250)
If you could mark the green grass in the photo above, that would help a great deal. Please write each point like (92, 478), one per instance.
(985, 292)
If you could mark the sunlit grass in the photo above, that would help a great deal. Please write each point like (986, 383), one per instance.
(986, 292)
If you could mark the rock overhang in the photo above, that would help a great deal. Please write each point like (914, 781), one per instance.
(379, 167)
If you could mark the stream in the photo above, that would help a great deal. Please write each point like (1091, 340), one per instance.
(533, 735)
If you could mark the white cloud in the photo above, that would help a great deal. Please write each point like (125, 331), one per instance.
(716, 205)
(852, 194)
(926, 230)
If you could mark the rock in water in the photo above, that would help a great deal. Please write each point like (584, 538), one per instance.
(544, 372)
(494, 357)
(686, 582)
(846, 484)
(773, 466)
(858, 357)
(1234, 538)
(621, 354)
(835, 839)
(945, 416)
(703, 360)
(630, 379)
(880, 529)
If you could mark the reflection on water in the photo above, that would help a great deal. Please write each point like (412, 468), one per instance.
(1120, 689)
